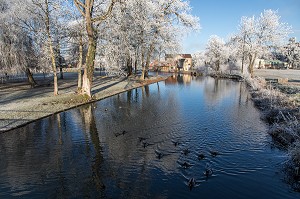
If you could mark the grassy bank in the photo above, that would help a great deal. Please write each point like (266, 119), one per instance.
(21, 104)
(280, 109)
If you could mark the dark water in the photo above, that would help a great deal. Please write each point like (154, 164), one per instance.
(91, 152)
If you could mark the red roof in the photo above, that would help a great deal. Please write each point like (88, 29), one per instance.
(182, 55)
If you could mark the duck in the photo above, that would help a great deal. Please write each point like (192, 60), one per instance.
(176, 143)
(186, 151)
(208, 172)
(122, 133)
(145, 144)
(142, 139)
(214, 153)
(192, 183)
(186, 165)
(201, 156)
(159, 155)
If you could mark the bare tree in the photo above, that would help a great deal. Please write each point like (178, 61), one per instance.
(86, 8)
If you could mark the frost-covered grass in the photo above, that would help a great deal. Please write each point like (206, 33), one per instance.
(282, 112)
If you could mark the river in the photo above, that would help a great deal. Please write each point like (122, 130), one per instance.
(149, 143)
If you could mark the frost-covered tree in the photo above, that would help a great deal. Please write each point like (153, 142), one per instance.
(199, 59)
(48, 14)
(291, 53)
(76, 45)
(93, 13)
(217, 52)
(18, 51)
(139, 30)
(257, 35)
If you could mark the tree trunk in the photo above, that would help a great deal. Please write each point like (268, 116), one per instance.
(218, 66)
(148, 59)
(86, 9)
(251, 65)
(79, 67)
(89, 68)
(61, 72)
(143, 65)
(91, 53)
(30, 78)
(135, 65)
(55, 92)
(88, 74)
(129, 66)
(55, 82)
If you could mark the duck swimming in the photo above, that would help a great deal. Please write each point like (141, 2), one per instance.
(122, 133)
(192, 183)
(208, 170)
(159, 155)
(146, 144)
(176, 143)
(142, 139)
(214, 153)
(186, 151)
(201, 156)
(186, 165)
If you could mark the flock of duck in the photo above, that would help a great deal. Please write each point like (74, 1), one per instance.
(185, 165)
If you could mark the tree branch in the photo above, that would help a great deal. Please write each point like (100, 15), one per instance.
(80, 6)
(80, 3)
(108, 12)
(91, 5)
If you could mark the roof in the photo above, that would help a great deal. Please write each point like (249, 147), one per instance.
(182, 55)
(186, 55)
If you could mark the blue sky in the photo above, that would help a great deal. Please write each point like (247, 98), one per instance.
(222, 17)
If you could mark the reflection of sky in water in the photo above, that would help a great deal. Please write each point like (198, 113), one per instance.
(94, 152)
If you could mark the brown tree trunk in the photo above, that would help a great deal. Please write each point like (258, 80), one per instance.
(59, 58)
(251, 65)
(30, 78)
(143, 66)
(135, 65)
(89, 68)
(91, 53)
(218, 66)
(47, 22)
(148, 59)
(79, 68)
(86, 8)
(129, 66)
(61, 72)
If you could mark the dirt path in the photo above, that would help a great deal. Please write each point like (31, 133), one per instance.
(20, 104)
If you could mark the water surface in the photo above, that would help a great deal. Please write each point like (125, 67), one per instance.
(110, 149)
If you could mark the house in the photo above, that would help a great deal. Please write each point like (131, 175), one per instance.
(178, 62)
(269, 64)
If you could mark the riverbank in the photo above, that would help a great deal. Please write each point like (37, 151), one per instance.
(21, 104)
(280, 106)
